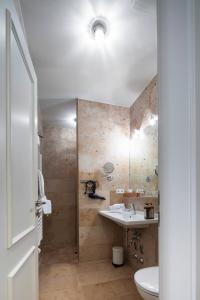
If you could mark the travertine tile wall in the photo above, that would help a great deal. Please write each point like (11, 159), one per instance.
(60, 174)
(143, 159)
(103, 136)
(144, 149)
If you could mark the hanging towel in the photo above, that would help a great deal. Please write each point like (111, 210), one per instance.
(43, 208)
(46, 206)
(41, 192)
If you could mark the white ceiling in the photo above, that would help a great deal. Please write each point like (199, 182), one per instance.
(69, 63)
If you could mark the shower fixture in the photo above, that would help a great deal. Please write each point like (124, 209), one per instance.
(90, 190)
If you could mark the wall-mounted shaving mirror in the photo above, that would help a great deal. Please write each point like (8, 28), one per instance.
(108, 168)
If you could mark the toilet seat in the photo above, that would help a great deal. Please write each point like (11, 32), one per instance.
(147, 279)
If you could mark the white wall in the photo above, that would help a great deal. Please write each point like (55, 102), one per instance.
(178, 157)
(197, 63)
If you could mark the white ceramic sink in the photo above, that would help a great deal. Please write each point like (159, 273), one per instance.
(128, 219)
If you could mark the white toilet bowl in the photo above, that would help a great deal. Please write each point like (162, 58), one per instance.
(147, 283)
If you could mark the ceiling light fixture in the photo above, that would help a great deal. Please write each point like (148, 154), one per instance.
(98, 29)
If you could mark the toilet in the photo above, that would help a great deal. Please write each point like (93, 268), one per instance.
(147, 283)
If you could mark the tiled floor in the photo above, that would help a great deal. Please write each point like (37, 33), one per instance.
(60, 255)
(97, 280)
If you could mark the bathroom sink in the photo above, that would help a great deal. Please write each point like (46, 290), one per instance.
(128, 220)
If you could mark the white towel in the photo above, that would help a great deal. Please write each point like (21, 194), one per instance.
(41, 192)
(116, 206)
(46, 206)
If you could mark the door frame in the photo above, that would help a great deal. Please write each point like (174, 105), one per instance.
(179, 148)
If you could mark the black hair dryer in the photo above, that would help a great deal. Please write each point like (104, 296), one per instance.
(90, 190)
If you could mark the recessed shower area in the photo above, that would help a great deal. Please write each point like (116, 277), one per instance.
(58, 156)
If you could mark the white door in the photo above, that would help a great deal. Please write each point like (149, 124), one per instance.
(18, 159)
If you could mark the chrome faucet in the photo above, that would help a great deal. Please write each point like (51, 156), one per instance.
(133, 208)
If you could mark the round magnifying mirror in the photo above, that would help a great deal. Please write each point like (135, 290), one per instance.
(108, 168)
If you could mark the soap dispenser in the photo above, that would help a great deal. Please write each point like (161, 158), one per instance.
(148, 211)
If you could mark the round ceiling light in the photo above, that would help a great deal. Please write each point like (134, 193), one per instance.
(98, 29)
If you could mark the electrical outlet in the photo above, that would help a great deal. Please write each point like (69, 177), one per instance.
(119, 191)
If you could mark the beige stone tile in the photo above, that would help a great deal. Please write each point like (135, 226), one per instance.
(98, 291)
(63, 295)
(58, 229)
(103, 126)
(62, 185)
(59, 169)
(123, 287)
(95, 235)
(103, 273)
(115, 198)
(62, 199)
(61, 269)
(58, 281)
(93, 278)
(120, 273)
(86, 281)
(94, 266)
(129, 297)
(89, 217)
(64, 212)
(95, 252)
(53, 256)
